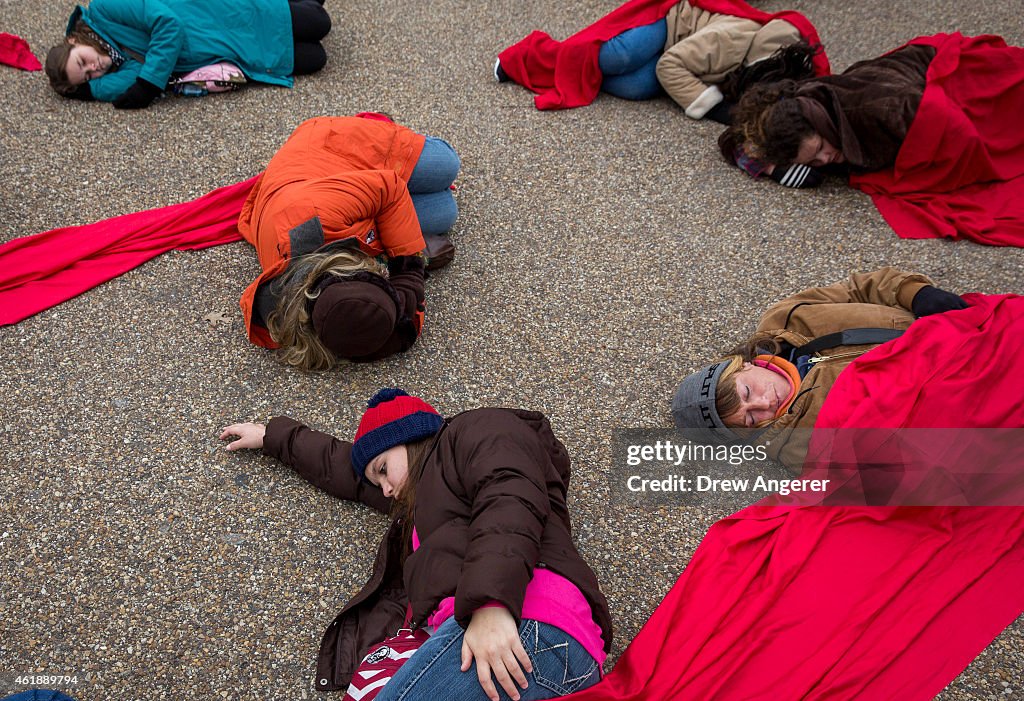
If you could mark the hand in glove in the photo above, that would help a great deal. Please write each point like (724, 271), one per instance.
(138, 96)
(402, 264)
(931, 300)
(796, 175)
(80, 92)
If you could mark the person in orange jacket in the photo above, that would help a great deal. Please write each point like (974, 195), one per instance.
(346, 217)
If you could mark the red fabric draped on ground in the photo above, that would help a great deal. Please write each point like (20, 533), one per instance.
(41, 271)
(854, 602)
(14, 51)
(960, 171)
(565, 73)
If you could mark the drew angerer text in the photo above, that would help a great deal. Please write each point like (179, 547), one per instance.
(704, 483)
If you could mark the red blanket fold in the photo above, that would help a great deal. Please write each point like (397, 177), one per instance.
(565, 73)
(824, 602)
(41, 271)
(14, 51)
(960, 171)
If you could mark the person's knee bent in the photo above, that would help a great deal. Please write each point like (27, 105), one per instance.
(436, 211)
(310, 21)
(641, 84)
(309, 57)
(632, 49)
(437, 167)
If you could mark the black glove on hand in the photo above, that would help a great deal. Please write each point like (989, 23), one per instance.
(402, 264)
(138, 96)
(796, 175)
(931, 300)
(80, 92)
(721, 113)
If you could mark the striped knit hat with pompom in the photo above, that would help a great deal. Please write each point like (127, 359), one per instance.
(392, 418)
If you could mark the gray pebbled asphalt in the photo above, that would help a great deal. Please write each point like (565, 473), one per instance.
(604, 252)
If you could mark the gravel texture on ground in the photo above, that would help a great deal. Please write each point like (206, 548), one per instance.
(603, 253)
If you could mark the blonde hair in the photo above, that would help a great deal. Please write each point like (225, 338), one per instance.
(727, 400)
(291, 325)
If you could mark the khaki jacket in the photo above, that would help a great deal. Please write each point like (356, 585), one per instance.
(701, 47)
(880, 299)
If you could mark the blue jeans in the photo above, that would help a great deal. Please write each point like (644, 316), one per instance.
(429, 183)
(560, 667)
(628, 61)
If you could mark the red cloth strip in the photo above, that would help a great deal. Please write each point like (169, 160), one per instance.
(38, 272)
(818, 602)
(14, 51)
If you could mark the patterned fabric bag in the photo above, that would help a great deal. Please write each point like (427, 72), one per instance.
(382, 662)
(217, 77)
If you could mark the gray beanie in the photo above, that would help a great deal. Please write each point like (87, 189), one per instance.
(694, 410)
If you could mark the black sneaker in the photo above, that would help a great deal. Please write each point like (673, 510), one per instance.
(499, 73)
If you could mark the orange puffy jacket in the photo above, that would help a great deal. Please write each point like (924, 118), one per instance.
(335, 178)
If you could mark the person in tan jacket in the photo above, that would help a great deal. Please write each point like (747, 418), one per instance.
(688, 54)
(776, 383)
(702, 47)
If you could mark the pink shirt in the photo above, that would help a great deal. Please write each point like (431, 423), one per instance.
(550, 598)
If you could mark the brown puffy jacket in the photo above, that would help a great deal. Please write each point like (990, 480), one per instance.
(490, 509)
(866, 111)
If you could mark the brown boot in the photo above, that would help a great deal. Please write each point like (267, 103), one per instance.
(440, 251)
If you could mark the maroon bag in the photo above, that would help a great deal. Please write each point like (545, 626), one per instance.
(382, 662)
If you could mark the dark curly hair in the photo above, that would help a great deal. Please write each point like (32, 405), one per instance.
(770, 122)
(795, 62)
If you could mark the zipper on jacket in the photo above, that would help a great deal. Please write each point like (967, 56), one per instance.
(819, 358)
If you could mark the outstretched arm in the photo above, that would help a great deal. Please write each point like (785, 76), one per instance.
(320, 459)
(247, 435)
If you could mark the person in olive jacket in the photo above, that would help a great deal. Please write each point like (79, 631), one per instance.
(126, 51)
(480, 549)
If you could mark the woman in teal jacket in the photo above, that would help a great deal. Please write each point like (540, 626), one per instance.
(126, 51)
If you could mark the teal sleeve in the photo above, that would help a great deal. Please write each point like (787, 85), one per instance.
(111, 86)
(151, 28)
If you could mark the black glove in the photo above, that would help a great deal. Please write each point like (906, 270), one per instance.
(80, 92)
(931, 300)
(796, 175)
(721, 113)
(402, 264)
(138, 96)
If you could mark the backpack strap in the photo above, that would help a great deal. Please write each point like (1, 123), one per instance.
(847, 337)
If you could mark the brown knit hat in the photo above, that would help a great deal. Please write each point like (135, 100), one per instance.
(354, 318)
